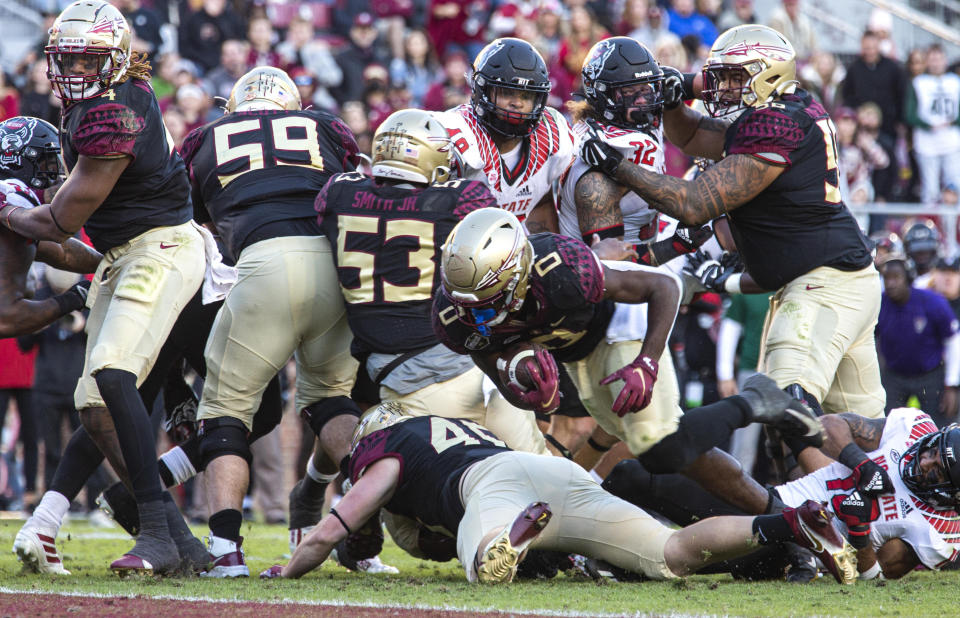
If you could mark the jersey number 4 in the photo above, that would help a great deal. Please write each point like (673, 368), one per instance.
(294, 141)
(420, 259)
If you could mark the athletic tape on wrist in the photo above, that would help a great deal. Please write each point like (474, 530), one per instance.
(732, 285)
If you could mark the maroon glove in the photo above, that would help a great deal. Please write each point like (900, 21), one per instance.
(857, 512)
(638, 379)
(272, 573)
(544, 397)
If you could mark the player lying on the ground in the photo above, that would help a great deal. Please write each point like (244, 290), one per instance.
(30, 165)
(454, 476)
(895, 490)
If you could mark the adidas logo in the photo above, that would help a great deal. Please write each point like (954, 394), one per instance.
(904, 508)
(876, 482)
(524, 191)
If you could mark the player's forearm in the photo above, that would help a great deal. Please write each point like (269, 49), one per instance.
(36, 223)
(661, 315)
(315, 548)
(543, 217)
(598, 206)
(73, 256)
(842, 430)
(690, 202)
(23, 316)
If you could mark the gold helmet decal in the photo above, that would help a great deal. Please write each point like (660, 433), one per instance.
(485, 267)
(88, 50)
(411, 145)
(264, 88)
(748, 66)
(381, 417)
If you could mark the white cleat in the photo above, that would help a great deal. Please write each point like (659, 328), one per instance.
(227, 558)
(36, 548)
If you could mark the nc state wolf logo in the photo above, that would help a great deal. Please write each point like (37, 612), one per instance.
(595, 65)
(14, 135)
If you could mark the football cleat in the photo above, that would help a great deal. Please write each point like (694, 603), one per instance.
(771, 406)
(151, 555)
(128, 564)
(227, 558)
(297, 535)
(36, 548)
(374, 565)
(501, 556)
(812, 528)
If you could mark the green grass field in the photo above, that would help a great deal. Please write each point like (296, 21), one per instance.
(87, 551)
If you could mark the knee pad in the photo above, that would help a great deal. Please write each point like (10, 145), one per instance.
(671, 454)
(223, 436)
(321, 412)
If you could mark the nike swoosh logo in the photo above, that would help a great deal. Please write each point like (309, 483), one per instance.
(164, 245)
(813, 287)
(558, 321)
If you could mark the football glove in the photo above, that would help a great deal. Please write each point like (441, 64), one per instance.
(638, 380)
(712, 274)
(857, 512)
(597, 153)
(73, 299)
(673, 96)
(545, 396)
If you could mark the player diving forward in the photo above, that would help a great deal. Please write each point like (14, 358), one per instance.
(454, 476)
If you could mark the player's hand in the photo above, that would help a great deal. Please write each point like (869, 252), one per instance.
(638, 379)
(672, 88)
(545, 396)
(711, 273)
(613, 249)
(273, 572)
(689, 239)
(73, 299)
(598, 153)
(857, 512)
(872, 480)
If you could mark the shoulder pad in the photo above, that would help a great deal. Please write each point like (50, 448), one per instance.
(768, 133)
(108, 130)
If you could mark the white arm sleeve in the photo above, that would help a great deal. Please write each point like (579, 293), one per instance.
(727, 338)
(951, 361)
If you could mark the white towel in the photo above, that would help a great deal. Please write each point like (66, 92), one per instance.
(218, 277)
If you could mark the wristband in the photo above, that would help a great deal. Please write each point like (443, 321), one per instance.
(732, 284)
(873, 572)
(597, 447)
(688, 85)
(334, 512)
(62, 303)
(852, 456)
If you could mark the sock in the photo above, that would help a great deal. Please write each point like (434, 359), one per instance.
(49, 513)
(177, 466)
(772, 529)
(135, 433)
(178, 528)
(79, 462)
(315, 482)
(226, 524)
(153, 520)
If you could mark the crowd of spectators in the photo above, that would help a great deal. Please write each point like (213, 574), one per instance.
(898, 138)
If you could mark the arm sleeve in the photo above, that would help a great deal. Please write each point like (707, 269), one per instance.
(727, 338)
(108, 131)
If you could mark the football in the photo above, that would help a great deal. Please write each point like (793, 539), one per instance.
(516, 364)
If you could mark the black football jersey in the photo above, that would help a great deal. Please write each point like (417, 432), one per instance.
(799, 222)
(434, 453)
(251, 169)
(153, 191)
(387, 244)
(564, 308)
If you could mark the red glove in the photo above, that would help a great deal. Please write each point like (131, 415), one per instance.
(857, 512)
(545, 396)
(272, 573)
(638, 379)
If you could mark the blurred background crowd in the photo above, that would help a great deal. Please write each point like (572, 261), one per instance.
(364, 59)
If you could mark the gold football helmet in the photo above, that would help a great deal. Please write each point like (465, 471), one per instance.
(485, 267)
(381, 417)
(412, 145)
(748, 66)
(88, 50)
(264, 88)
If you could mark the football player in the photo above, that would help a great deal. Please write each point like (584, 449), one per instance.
(893, 483)
(495, 504)
(128, 188)
(256, 172)
(29, 165)
(776, 176)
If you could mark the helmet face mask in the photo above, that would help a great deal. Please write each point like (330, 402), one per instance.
(264, 88)
(748, 66)
(624, 84)
(485, 267)
(88, 50)
(940, 486)
(412, 146)
(503, 68)
(30, 152)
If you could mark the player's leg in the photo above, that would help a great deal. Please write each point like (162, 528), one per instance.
(251, 340)
(144, 292)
